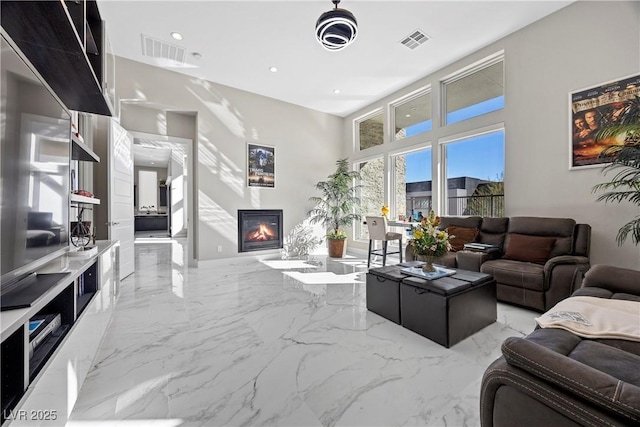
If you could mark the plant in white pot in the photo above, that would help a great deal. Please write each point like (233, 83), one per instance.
(337, 206)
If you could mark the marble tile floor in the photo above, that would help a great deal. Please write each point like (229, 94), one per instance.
(266, 342)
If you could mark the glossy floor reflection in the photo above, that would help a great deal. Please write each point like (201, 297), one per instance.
(249, 342)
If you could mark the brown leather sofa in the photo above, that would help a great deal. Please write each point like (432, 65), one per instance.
(536, 261)
(555, 378)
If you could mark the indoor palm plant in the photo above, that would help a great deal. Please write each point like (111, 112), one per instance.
(337, 206)
(625, 160)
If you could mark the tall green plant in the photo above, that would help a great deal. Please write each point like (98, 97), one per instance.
(338, 204)
(625, 185)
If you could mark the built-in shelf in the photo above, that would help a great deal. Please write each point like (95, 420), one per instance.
(81, 151)
(76, 198)
(53, 35)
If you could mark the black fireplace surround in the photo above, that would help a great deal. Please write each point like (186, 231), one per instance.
(259, 229)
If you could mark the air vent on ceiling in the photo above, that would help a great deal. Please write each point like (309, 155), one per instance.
(155, 48)
(414, 39)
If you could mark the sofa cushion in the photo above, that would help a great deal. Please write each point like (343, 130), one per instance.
(560, 228)
(461, 235)
(527, 248)
(493, 231)
(515, 273)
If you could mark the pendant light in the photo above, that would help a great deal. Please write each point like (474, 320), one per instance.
(337, 28)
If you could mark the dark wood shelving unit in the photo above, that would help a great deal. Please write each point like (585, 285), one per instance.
(64, 40)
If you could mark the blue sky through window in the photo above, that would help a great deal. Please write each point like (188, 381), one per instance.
(476, 110)
(477, 157)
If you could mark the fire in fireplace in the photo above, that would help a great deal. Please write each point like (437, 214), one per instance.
(259, 230)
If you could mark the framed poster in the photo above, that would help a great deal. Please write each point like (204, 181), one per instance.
(261, 166)
(596, 108)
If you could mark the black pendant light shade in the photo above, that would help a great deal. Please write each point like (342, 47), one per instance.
(337, 28)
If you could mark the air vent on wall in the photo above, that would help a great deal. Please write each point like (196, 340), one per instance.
(414, 39)
(155, 48)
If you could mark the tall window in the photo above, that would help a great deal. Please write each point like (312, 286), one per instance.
(475, 175)
(372, 190)
(371, 131)
(472, 94)
(412, 116)
(412, 192)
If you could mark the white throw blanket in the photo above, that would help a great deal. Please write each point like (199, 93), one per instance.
(592, 317)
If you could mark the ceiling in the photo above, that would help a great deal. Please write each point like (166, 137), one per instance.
(240, 40)
(151, 156)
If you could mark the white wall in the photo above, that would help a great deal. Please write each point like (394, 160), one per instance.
(307, 145)
(582, 45)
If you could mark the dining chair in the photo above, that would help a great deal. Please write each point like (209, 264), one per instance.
(377, 226)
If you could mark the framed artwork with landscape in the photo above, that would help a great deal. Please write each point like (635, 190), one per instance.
(261, 166)
(598, 116)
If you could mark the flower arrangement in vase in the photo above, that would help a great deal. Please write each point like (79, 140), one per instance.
(429, 241)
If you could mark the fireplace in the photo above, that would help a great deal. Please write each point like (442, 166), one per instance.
(259, 229)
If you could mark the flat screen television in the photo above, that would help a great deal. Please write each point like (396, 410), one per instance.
(34, 168)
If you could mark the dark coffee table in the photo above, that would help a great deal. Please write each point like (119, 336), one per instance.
(445, 310)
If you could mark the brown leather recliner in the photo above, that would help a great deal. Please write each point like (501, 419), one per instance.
(555, 378)
(540, 285)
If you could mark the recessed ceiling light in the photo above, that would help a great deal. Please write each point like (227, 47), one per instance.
(408, 115)
(196, 55)
(273, 69)
(153, 163)
(336, 91)
(176, 35)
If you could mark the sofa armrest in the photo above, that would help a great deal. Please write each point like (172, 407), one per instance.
(472, 260)
(563, 260)
(593, 385)
(562, 276)
(615, 279)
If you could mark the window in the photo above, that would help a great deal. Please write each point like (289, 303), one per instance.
(371, 131)
(372, 190)
(475, 175)
(148, 189)
(412, 192)
(412, 116)
(474, 93)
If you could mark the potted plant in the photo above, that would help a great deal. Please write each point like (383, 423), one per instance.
(625, 159)
(337, 205)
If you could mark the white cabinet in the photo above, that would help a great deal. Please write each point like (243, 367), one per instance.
(87, 294)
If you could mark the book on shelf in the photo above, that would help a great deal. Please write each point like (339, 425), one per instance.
(428, 275)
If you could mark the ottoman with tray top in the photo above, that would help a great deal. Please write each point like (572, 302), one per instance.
(449, 309)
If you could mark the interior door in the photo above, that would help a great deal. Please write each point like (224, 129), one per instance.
(121, 216)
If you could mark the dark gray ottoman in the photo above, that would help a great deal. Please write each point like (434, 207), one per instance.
(383, 291)
(449, 309)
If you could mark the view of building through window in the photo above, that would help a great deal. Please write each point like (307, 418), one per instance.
(372, 190)
(371, 131)
(413, 183)
(475, 175)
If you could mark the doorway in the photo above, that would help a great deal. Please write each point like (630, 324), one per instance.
(163, 189)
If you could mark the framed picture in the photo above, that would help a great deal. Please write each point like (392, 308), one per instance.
(261, 166)
(595, 109)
